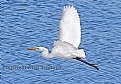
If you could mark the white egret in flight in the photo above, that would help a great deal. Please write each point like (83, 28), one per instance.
(69, 38)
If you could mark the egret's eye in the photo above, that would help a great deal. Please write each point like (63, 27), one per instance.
(37, 48)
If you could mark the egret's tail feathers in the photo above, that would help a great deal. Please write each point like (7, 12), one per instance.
(80, 53)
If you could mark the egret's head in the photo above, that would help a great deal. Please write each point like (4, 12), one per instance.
(41, 49)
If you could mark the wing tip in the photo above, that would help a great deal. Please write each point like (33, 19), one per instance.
(69, 7)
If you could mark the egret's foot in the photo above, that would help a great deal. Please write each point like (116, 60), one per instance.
(95, 66)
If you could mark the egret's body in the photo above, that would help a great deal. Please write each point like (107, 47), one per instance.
(69, 38)
(63, 50)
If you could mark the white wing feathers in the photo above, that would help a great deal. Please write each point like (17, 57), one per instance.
(70, 26)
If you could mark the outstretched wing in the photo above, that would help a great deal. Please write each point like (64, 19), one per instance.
(70, 26)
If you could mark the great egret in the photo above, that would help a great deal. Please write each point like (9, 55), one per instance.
(69, 38)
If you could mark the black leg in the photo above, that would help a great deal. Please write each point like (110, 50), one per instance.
(93, 65)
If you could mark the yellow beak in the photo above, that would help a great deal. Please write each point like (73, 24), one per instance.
(31, 48)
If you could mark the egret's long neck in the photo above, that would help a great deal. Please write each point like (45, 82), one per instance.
(45, 53)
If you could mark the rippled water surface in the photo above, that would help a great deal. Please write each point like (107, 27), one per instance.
(30, 23)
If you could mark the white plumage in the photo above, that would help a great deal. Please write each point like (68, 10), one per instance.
(66, 50)
(70, 30)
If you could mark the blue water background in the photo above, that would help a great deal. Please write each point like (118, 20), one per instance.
(31, 23)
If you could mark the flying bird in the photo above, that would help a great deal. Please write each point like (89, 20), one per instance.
(69, 38)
